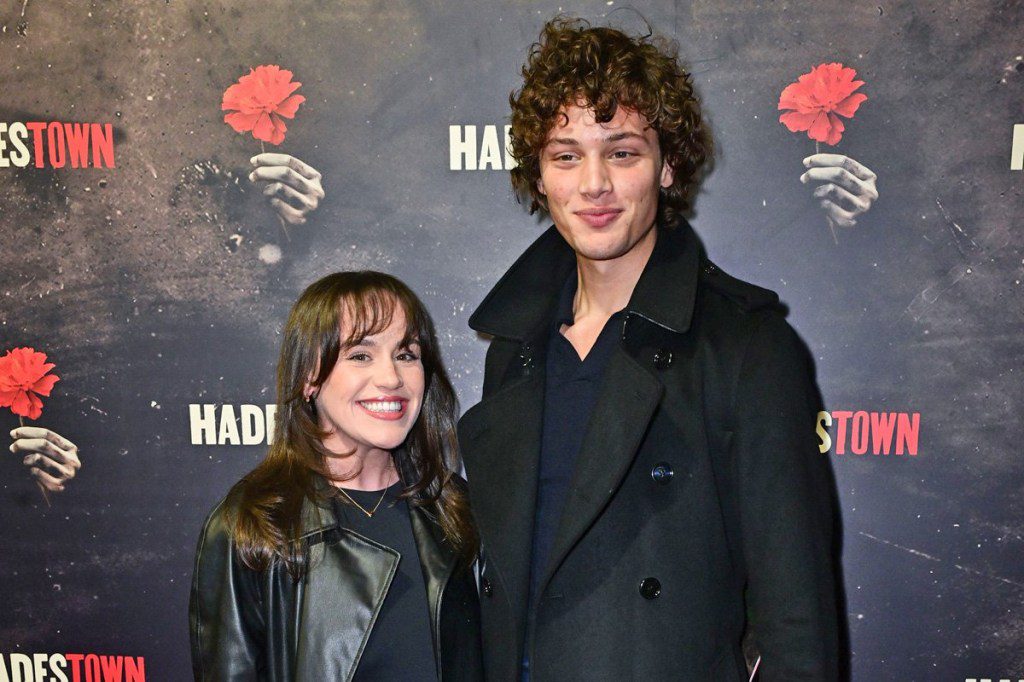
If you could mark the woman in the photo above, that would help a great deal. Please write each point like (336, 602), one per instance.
(345, 555)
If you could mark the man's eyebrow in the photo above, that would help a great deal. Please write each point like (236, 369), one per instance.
(614, 137)
(625, 135)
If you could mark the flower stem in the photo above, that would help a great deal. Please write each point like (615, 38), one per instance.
(42, 488)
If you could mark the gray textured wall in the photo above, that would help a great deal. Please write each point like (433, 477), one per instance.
(125, 277)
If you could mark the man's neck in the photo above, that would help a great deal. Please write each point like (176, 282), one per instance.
(602, 289)
(605, 287)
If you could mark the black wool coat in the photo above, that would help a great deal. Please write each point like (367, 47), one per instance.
(699, 500)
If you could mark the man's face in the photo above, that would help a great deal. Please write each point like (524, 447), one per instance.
(601, 181)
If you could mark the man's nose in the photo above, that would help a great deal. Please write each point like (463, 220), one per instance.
(594, 178)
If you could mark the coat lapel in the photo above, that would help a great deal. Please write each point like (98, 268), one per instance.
(501, 446)
(341, 598)
(628, 399)
(437, 561)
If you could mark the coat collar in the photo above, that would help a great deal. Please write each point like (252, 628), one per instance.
(524, 300)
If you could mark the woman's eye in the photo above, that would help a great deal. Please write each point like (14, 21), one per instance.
(408, 356)
(359, 357)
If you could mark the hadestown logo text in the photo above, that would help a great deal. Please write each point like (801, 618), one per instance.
(56, 145)
(857, 432)
(861, 432)
(992, 679)
(248, 425)
(1017, 148)
(71, 668)
(487, 151)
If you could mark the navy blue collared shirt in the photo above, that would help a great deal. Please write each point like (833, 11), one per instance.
(570, 391)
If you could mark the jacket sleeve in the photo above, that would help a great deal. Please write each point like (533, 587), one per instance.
(226, 625)
(785, 506)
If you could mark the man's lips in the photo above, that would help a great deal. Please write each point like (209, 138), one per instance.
(388, 408)
(598, 217)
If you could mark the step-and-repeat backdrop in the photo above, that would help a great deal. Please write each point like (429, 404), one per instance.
(137, 254)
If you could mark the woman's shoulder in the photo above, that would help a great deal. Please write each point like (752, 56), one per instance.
(217, 528)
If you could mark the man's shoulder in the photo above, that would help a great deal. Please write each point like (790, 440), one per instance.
(732, 312)
(736, 294)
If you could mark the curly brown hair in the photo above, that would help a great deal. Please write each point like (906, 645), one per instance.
(603, 68)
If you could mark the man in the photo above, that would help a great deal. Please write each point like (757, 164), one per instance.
(642, 465)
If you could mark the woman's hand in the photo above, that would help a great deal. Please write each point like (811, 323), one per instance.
(293, 187)
(52, 459)
(848, 188)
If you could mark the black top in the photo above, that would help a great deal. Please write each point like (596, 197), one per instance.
(400, 648)
(570, 391)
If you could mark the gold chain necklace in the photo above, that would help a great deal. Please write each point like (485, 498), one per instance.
(369, 514)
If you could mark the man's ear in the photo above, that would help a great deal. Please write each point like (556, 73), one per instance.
(668, 175)
(540, 186)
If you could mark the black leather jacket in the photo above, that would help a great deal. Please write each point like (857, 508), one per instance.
(248, 625)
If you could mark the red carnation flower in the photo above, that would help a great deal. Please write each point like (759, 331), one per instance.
(259, 100)
(818, 99)
(23, 374)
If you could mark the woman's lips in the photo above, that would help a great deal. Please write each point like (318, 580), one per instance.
(387, 410)
(599, 217)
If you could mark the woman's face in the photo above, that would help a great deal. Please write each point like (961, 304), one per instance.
(373, 396)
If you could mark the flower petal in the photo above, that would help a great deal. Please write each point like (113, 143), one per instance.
(848, 107)
(279, 129)
(797, 122)
(836, 128)
(242, 123)
(264, 128)
(44, 385)
(819, 129)
(35, 409)
(288, 107)
(22, 405)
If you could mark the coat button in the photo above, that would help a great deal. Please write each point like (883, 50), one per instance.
(710, 268)
(662, 359)
(650, 588)
(486, 587)
(662, 473)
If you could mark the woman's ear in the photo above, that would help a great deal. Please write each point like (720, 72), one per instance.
(310, 389)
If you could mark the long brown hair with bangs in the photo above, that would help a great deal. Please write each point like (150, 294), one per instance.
(267, 503)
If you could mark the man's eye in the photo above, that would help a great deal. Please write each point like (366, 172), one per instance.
(622, 154)
(565, 157)
(359, 357)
